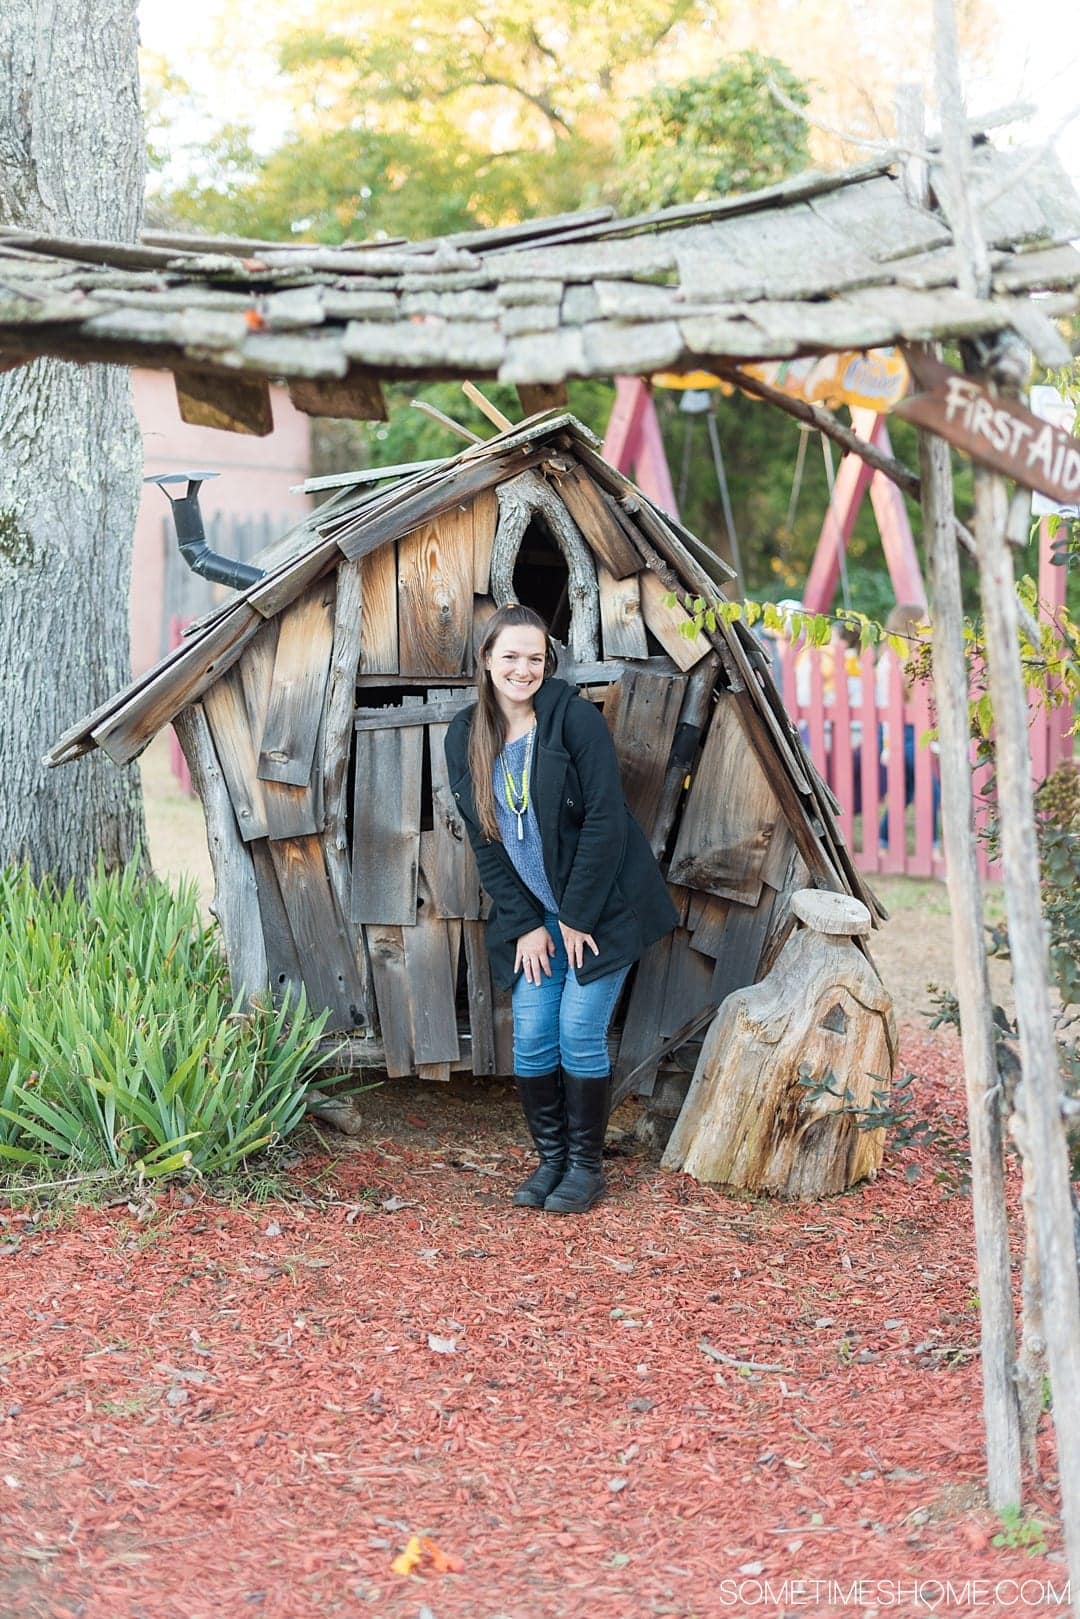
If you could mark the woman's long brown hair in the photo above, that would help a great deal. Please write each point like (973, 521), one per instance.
(487, 734)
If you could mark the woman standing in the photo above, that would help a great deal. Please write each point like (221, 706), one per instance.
(577, 894)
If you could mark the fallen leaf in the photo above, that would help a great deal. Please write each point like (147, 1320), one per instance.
(409, 1559)
(442, 1346)
(441, 1562)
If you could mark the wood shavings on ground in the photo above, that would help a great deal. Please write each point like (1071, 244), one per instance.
(198, 1418)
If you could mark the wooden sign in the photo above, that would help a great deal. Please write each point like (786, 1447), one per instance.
(997, 432)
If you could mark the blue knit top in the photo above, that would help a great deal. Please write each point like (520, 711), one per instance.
(527, 855)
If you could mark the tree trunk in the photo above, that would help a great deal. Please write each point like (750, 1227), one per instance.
(520, 500)
(1038, 1125)
(71, 163)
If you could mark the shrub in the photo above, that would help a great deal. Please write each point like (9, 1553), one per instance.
(121, 1047)
(1057, 805)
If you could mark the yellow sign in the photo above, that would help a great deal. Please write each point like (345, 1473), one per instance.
(875, 379)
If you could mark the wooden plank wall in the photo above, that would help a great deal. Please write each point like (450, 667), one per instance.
(736, 860)
(435, 591)
(724, 835)
(362, 882)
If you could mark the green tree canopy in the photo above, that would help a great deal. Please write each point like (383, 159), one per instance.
(411, 119)
(713, 136)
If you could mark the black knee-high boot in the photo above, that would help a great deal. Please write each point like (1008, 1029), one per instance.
(544, 1107)
(588, 1101)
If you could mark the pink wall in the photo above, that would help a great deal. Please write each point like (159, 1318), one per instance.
(255, 474)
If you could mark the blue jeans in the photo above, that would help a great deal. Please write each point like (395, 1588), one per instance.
(559, 1020)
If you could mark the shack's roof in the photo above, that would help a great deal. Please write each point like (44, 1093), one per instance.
(357, 522)
(820, 262)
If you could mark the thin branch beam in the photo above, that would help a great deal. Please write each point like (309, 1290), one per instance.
(825, 422)
(832, 427)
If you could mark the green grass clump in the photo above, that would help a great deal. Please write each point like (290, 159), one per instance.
(122, 1049)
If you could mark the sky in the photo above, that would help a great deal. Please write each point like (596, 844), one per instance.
(1035, 57)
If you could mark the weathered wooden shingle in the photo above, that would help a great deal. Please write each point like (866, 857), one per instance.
(425, 343)
(545, 300)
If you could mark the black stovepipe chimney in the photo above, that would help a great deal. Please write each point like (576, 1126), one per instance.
(190, 533)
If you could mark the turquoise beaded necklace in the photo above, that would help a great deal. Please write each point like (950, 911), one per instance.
(518, 797)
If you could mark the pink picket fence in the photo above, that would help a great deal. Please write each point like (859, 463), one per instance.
(888, 790)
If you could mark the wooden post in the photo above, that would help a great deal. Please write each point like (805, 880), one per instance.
(1040, 1132)
(852, 482)
(897, 540)
(996, 1320)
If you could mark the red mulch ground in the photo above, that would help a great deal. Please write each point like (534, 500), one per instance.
(217, 1411)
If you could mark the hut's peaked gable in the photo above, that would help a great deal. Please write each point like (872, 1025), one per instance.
(313, 707)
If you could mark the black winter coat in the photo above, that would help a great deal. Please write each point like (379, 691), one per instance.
(597, 858)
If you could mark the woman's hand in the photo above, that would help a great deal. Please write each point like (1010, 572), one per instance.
(575, 943)
(533, 950)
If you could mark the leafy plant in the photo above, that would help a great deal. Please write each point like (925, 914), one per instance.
(121, 1047)
(892, 1108)
(713, 136)
(1020, 1533)
(1057, 805)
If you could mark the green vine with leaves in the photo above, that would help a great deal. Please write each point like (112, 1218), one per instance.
(1051, 663)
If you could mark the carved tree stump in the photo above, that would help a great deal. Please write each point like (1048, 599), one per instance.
(748, 1121)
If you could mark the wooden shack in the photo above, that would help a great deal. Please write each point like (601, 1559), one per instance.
(312, 708)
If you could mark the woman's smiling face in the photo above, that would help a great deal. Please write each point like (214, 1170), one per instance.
(515, 661)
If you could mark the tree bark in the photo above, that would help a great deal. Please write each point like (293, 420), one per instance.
(1031, 1361)
(72, 163)
(748, 1121)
